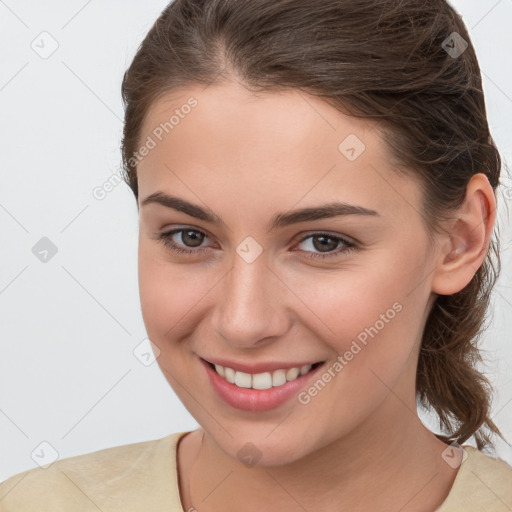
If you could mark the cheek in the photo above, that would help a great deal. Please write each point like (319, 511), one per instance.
(348, 299)
(170, 295)
(371, 322)
(368, 316)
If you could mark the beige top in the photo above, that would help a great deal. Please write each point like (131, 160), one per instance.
(143, 477)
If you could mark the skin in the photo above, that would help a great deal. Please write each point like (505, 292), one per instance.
(358, 445)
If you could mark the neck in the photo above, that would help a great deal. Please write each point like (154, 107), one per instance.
(391, 462)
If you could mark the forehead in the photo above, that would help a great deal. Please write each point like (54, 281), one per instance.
(279, 146)
(233, 116)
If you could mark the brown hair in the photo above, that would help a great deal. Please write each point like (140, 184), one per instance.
(387, 60)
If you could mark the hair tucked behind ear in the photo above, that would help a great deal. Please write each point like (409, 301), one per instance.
(379, 59)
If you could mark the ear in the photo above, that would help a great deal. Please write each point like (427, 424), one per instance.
(467, 238)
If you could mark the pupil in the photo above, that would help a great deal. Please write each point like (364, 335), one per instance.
(325, 245)
(196, 238)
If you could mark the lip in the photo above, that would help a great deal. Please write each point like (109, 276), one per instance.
(256, 400)
(271, 366)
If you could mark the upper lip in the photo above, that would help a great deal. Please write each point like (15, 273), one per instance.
(261, 367)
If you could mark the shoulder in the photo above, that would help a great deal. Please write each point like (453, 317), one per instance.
(125, 477)
(483, 483)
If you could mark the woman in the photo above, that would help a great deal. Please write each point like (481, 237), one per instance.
(316, 184)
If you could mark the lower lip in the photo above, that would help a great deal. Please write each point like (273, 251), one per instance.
(256, 400)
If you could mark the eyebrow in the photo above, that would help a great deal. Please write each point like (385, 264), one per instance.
(326, 211)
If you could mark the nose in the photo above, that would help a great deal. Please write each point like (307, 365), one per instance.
(250, 307)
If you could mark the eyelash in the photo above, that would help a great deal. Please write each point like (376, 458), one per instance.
(165, 238)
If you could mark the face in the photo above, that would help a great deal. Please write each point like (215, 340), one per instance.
(250, 282)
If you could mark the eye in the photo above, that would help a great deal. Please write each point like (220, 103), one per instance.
(191, 240)
(188, 236)
(327, 243)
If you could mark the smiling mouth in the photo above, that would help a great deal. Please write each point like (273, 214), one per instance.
(264, 380)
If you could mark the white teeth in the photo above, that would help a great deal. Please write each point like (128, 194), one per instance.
(262, 381)
(279, 377)
(230, 375)
(265, 380)
(292, 373)
(305, 369)
(243, 380)
(220, 370)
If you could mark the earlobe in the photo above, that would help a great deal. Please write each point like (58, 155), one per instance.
(468, 238)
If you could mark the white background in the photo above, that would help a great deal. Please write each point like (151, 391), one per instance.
(68, 327)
